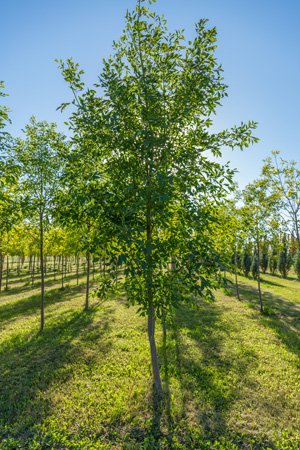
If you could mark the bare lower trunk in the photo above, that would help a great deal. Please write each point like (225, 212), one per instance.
(87, 280)
(77, 269)
(54, 267)
(7, 270)
(62, 271)
(42, 271)
(154, 358)
(236, 278)
(1, 270)
(33, 267)
(258, 277)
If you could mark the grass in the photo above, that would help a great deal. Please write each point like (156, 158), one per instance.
(231, 375)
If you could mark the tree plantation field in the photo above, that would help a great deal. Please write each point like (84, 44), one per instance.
(230, 374)
(146, 302)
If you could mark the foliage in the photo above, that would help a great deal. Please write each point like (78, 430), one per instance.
(283, 263)
(273, 261)
(283, 182)
(254, 265)
(146, 139)
(246, 263)
(297, 263)
(264, 258)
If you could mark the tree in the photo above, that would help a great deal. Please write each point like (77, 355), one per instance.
(297, 264)
(273, 261)
(283, 264)
(254, 265)
(39, 165)
(146, 138)
(246, 262)
(283, 182)
(264, 258)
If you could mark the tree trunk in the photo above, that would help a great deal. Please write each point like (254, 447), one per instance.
(1, 269)
(87, 279)
(151, 314)
(33, 267)
(258, 277)
(7, 270)
(236, 278)
(62, 271)
(77, 269)
(154, 358)
(54, 267)
(42, 270)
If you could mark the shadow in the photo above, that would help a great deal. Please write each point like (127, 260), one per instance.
(31, 304)
(21, 288)
(30, 364)
(281, 306)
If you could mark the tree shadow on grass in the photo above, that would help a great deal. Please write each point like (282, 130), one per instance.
(194, 401)
(29, 367)
(32, 303)
(22, 289)
(282, 305)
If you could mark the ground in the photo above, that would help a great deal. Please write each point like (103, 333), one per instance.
(231, 374)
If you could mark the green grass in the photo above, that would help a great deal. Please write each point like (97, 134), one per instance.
(231, 375)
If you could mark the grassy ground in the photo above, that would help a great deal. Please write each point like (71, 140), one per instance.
(231, 375)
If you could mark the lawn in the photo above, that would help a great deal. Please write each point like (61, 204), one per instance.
(231, 374)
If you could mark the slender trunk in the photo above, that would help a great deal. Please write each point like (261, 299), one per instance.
(87, 279)
(164, 324)
(77, 269)
(54, 267)
(62, 271)
(1, 269)
(7, 270)
(258, 277)
(153, 350)
(151, 314)
(42, 270)
(30, 263)
(33, 267)
(236, 278)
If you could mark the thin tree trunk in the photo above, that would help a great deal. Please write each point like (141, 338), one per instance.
(236, 278)
(54, 267)
(7, 270)
(33, 267)
(42, 271)
(62, 271)
(258, 277)
(77, 269)
(87, 279)
(151, 314)
(1, 269)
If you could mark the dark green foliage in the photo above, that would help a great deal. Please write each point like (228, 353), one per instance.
(283, 264)
(290, 261)
(264, 259)
(273, 262)
(297, 264)
(254, 266)
(246, 263)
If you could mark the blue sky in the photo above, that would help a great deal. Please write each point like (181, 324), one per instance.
(258, 47)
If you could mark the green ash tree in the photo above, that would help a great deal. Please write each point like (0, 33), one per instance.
(147, 135)
(39, 166)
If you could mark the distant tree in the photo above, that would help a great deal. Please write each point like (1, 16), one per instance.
(264, 258)
(39, 166)
(246, 263)
(282, 180)
(273, 261)
(254, 265)
(297, 263)
(283, 263)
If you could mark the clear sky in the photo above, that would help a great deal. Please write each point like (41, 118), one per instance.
(258, 47)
